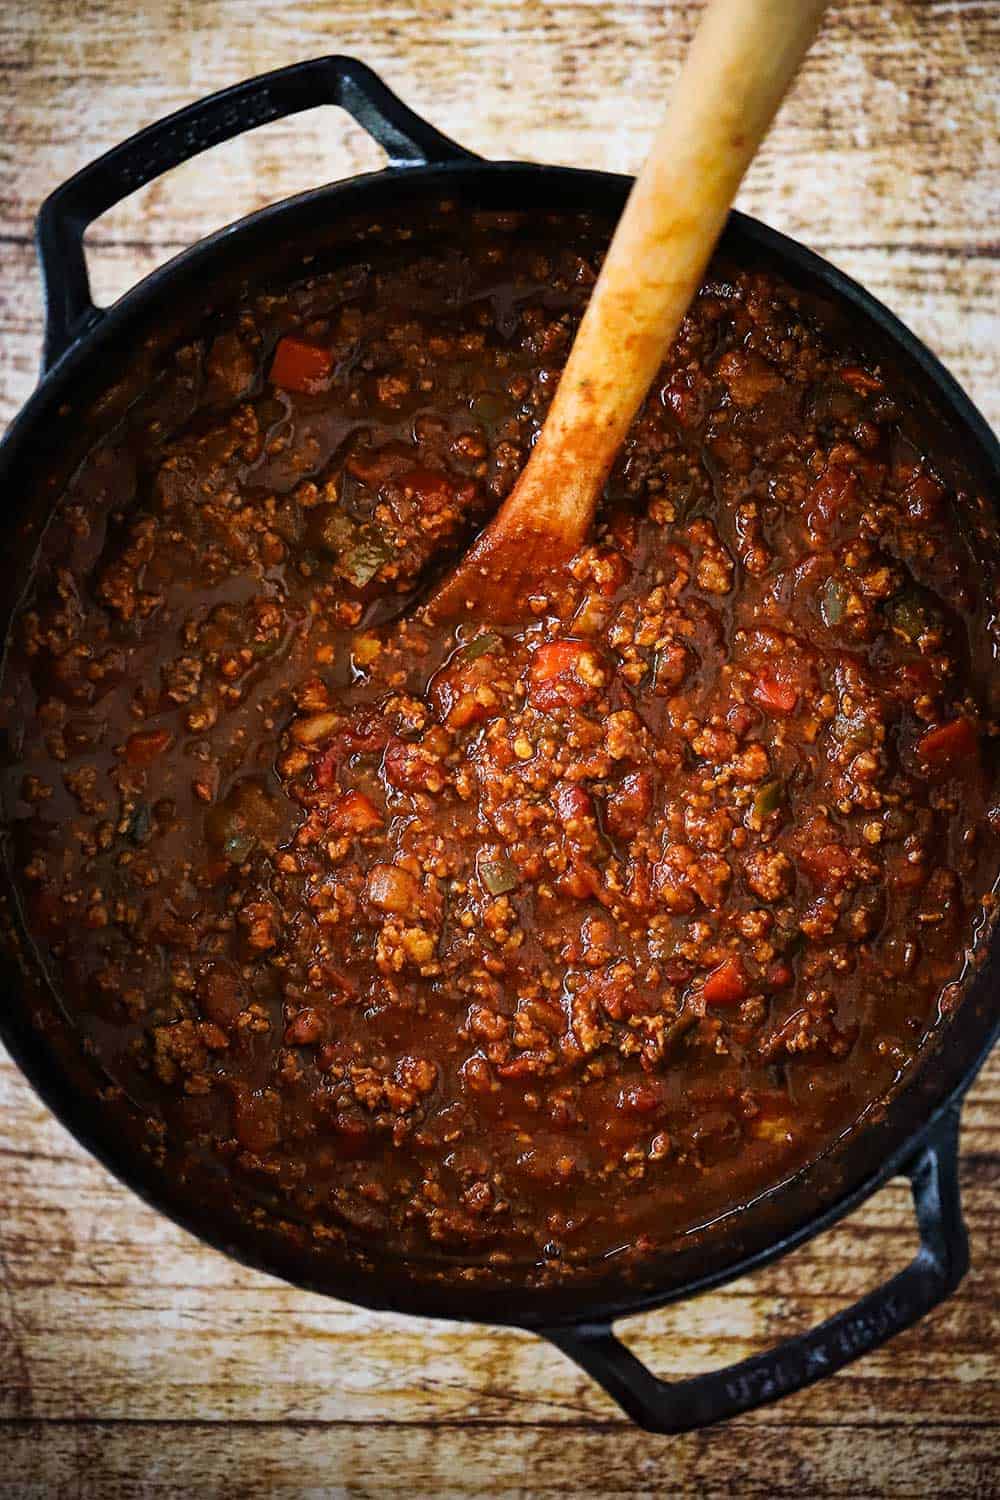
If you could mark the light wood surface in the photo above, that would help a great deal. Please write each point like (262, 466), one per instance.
(134, 1362)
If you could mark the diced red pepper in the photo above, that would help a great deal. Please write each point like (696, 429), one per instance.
(641, 1098)
(740, 718)
(561, 673)
(911, 679)
(462, 692)
(299, 366)
(727, 984)
(776, 696)
(639, 889)
(748, 376)
(684, 395)
(433, 489)
(143, 748)
(256, 1118)
(354, 813)
(213, 872)
(222, 995)
(581, 881)
(941, 747)
(352, 1137)
(572, 802)
(327, 768)
(459, 709)
(367, 734)
(835, 490)
(923, 497)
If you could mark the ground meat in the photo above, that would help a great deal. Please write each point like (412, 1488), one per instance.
(768, 873)
(528, 941)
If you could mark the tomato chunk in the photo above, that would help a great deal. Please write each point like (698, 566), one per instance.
(829, 866)
(392, 889)
(431, 487)
(462, 692)
(727, 984)
(573, 803)
(941, 747)
(776, 696)
(564, 673)
(298, 366)
(354, 813)
(834, 491)
(143, 748)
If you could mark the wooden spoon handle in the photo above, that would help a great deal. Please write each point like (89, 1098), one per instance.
(743, 58)
(741, 62)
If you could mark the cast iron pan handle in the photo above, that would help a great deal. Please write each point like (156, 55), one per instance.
(933, 1274)
(408, 141)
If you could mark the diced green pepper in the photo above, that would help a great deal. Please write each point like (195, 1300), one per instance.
(239, 847)
(480, 646)
(266, 647)
(768, 799)
(853, 731)
(498, 875)
(490, 406)
(336, 532)
(907, 616)
(141, 823)
(832, 601)
(789, 940)
(247, 818)
(227, 830)
(679, 1027)
(363, 558)
(359, 549)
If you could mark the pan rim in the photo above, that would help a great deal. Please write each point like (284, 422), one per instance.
(44, 1072)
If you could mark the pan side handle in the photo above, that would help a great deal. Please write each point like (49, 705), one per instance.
(407, 139)
(933, 1274)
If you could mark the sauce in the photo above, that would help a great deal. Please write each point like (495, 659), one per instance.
(523, 942)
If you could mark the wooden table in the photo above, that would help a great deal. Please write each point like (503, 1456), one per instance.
(132, 1360)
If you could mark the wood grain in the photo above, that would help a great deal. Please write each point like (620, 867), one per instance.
(135, 1362)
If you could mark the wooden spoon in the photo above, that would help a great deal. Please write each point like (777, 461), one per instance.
(742, 60)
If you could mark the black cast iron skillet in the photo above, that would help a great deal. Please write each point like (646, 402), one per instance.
(914, 1133)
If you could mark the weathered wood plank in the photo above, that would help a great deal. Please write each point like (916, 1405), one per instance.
(892, 122)
(111, 1462)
